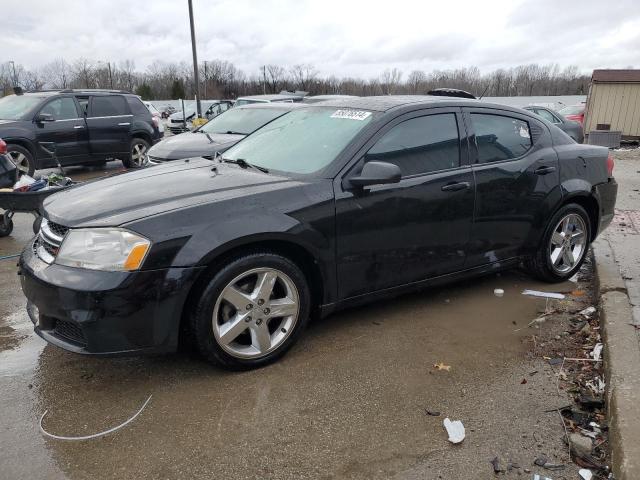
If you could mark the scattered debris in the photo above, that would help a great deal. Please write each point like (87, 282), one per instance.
(597, 351)
(578, 293)
(432, 413)
(95, 435)
(580, 445)
(540, 477)
(496, 465)
(455, 430)
(554, 361)
(543, 462)
(585, 474)
(498, 292)
(591, 401)
(442, 366)
(536, 293)
(574, 279)
(523, 382)
(587, 312)
(596, 385)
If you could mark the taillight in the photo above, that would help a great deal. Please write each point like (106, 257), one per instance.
(155, 121)
(3, 147)
(610, 165)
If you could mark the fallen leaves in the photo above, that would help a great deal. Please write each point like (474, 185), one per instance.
(442, 366)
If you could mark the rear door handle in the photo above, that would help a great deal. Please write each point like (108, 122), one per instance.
(455, 187)
(544, 170)
(124, 124)
(77, 127)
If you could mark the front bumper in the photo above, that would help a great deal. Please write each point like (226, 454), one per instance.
(105, 313)
(606, 193)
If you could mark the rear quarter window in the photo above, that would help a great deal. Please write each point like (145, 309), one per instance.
(500, 137)
(137, 107)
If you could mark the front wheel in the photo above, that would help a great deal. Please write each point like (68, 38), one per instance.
(564, 245)
(137, 153)
(6, 226)
(23, 159)
(251, 311)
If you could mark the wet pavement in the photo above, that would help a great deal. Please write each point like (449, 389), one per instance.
(347, 402)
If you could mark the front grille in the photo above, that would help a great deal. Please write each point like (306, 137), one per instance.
(49, 239)
(56, 228)
(69, 331)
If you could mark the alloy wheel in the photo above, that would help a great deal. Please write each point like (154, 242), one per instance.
(255, 313)
(568, 243)
(21, 161)
(138, 154)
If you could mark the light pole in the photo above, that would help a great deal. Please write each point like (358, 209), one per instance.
(15, 77)
(195, 62)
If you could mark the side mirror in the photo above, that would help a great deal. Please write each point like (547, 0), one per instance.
(44, 117)
(377, 173)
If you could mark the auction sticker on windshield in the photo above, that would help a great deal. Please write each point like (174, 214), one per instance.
(351, 114)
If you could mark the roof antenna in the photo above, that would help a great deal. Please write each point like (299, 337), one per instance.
(485, 91)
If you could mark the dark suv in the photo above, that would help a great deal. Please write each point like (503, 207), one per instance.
(88, 127)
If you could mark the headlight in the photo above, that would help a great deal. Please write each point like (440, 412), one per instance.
(109, 249)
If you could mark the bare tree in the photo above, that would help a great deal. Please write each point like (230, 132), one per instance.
(276, 78)
(303, 76)
(389, 80)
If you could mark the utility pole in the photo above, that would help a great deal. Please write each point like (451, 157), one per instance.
(15, 77)
(264, 79)
(195, 62)
(205, 80)
(110, 76)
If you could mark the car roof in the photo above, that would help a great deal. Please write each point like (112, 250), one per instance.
(387, 102)
(272, 106)
(269, 98)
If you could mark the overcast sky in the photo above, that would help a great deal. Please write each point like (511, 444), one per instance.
(341, 37)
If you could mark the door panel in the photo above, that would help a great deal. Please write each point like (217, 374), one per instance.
(390, 235)
(67, 131)
(514, 197)
(109, 124)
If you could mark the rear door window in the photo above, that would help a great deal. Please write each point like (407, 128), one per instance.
(108, 106)
(420, 145)
(547, 115)
(499, 137)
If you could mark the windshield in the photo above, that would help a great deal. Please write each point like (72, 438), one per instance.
(14, 107)
(303, 141)
(242, 121)
(572, 110)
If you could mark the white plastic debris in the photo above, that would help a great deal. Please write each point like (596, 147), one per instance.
(597, 351)
(587, 312)
(536, 293)
(596, 385)
(95, 435)
(539, 477)
(574, 279)
(455, 429)
(498, 292)
(585, 474)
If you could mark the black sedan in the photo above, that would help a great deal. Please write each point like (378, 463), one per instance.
(220, 133)
(571, 128)
(328, 206)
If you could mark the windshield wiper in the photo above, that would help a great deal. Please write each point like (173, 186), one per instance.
(241, 162)
(232, 132)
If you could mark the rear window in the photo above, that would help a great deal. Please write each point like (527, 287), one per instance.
(136, 106)
(108, 106)
(499, 137)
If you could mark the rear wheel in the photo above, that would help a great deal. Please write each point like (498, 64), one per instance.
(251, 311)
(22, 158)
(137, 153)
(6, 226)
(564, 245)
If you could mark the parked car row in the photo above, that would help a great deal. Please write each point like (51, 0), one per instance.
(324, 206)
(87, 126)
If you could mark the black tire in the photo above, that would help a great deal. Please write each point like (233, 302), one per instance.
(22, 155)
(540, 265)
(200, 320)
(5, 228)
(134, 161)
(36, 224)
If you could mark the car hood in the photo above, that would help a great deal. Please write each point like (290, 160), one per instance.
(124, 198)
(192, 144)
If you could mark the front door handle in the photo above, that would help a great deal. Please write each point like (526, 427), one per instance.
(77, 127)
(544, 170)
(455, 187)
(124, 124)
